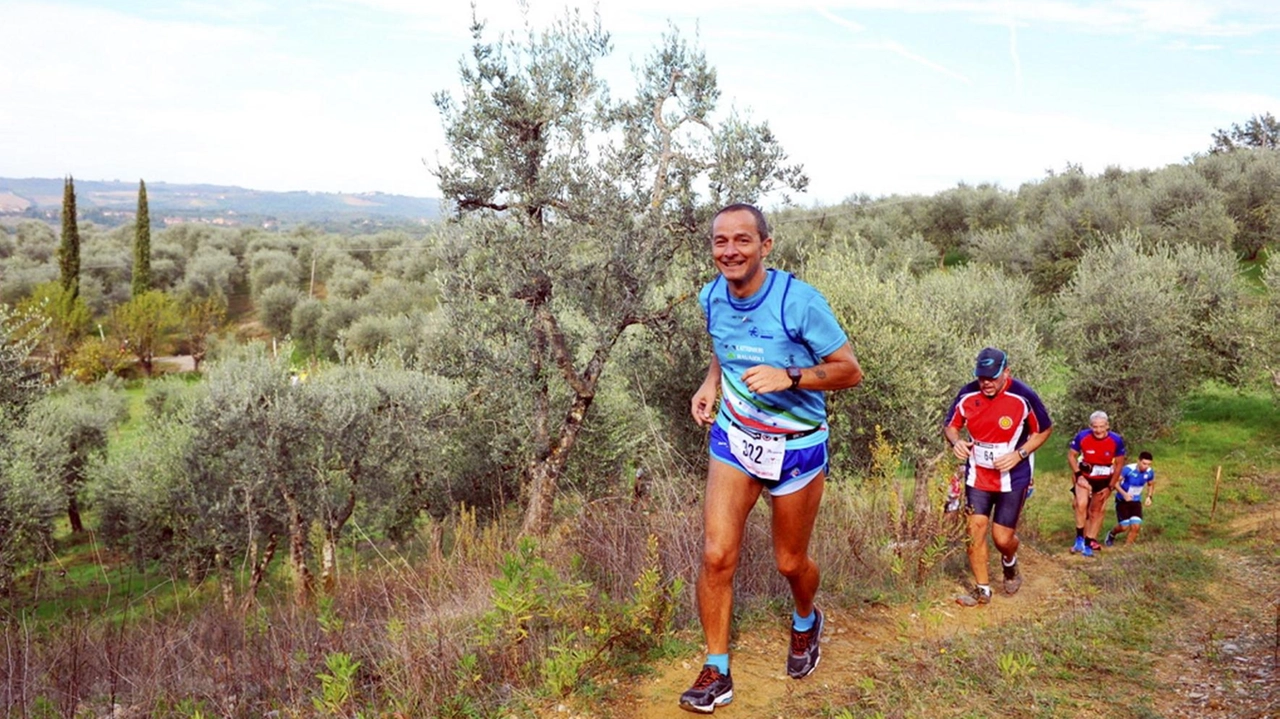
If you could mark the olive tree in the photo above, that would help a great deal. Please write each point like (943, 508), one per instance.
(64, 434)
(577, 206)
(916, 338)
(27, 504)
(147, 325)
(1141, 327)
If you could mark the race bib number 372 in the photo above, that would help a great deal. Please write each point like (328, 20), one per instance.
(760, 454)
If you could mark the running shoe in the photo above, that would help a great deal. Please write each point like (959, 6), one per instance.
(976, 597)
(805, 650)
(1093, 544)
(1111, 539)
(1079, 545)
(1087, 551)
(710, 690)
(1012, 579)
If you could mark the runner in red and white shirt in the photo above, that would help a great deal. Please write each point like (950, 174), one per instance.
(1006, 422)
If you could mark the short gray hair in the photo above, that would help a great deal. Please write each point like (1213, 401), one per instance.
(1099, 415)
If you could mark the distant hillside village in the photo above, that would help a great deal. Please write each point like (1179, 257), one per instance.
(113, 203)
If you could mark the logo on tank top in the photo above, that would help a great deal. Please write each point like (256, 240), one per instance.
(1006, 422)
(756, 333)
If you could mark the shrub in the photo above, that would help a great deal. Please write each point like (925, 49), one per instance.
(275, 308)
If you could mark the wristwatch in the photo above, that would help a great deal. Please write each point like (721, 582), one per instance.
(794, 374)
(1023, 453)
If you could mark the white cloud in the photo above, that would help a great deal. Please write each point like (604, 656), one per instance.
(1241, 104)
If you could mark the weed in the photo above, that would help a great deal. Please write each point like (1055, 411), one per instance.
(337, 688)
(1015, 665)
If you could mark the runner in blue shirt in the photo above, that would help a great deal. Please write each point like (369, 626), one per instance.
(776, 347)
(1134, 481)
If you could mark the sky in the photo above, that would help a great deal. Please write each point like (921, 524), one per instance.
(873, 97)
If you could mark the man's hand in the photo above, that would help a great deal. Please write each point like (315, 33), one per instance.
(763, 379)
(962, 449)
(702, 407)
(1006, 462)
(1127, 497)
(1148, 502)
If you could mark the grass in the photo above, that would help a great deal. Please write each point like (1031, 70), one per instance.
(1070, 664)
(1220, 427)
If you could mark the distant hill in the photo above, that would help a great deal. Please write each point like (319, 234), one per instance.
(114, 203)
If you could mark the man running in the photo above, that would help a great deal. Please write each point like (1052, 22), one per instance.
(1131, 482)
(1007, 422)
(776, 347)
(1095, 457)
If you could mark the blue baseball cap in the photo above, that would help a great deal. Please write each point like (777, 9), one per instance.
(991, 362)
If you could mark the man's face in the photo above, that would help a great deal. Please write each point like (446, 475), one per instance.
(1144, 465)
(1099, 427)
(736, 246)
(991, 386)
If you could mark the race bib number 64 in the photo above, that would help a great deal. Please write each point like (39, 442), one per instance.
(760, 454)
(985, 453)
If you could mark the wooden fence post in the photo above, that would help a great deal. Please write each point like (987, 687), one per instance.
(1217, 480)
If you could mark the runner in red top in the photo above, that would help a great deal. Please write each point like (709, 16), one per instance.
(1006, 422)
(1095, 456)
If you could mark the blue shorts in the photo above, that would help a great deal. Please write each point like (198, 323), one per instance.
(799, 466)
(1006, 506)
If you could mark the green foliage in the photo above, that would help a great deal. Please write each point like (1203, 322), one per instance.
(202, 318)
(1250, 181)
(581, 215)
(337, 687)
(1140, 328)
(147, 325)
(1260, 131)
(304, 325)
(543, 621)
(61, 318)
(252, 453)
(69, 250)
(142, 244)
(64, 435)
(19, 380)
(210, 272)
(275, 308)
(916, 339)
(96, 358)
(270, 267)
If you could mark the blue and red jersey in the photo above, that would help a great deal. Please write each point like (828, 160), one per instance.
(998, 425)
(1098, 454)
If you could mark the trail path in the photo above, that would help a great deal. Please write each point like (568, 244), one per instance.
(1215, 663)
(851, 644)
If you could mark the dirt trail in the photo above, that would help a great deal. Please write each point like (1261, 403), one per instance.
(851, 644)
(1221, 661)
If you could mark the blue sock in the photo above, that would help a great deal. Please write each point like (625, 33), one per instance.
(802, 624)
(719, 661)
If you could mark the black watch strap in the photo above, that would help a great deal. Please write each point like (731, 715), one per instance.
(795, 374)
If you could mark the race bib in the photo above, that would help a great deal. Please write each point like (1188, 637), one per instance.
(1100, 470)
(760, 454)
(985, 453)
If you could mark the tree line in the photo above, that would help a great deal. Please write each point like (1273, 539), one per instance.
(544, 339)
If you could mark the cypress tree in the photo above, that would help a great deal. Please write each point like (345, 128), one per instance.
(142, 244)
(69, 251)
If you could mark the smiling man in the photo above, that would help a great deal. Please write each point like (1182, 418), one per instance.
(776, 348)
(1007, 422)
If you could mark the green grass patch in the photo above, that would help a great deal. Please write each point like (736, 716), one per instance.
(1069, 664)
(1220, 427)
